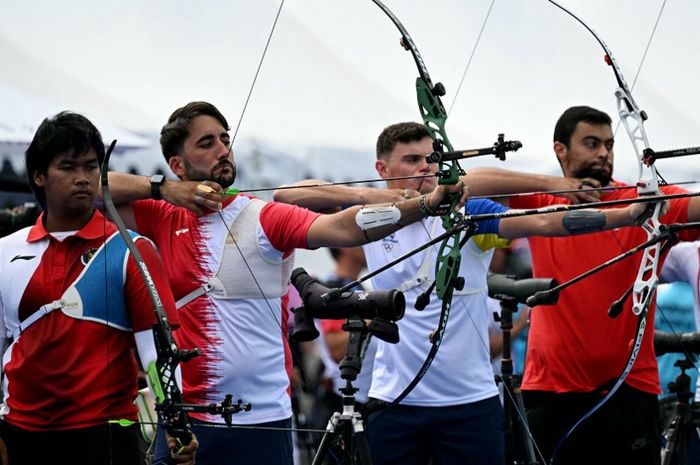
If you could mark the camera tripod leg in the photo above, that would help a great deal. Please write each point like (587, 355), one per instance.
(678, 431)
(674, 450)
(523, 445)
(362, 450)
(349, 427)
(326, 440)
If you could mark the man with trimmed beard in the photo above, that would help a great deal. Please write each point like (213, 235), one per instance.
(575, 350)
(229, 259)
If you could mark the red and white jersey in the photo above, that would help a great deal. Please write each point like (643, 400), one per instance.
(72, 370)
(242, 338)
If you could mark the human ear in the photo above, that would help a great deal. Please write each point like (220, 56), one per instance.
(561, 150)
(177, 165)
(39, 178)
(380, 166)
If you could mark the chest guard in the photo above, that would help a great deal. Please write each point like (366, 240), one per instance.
(234, 279)
(92, 296)
(241, 259)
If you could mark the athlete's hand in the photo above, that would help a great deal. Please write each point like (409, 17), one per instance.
(196, 196)
(640, 212)
(584, 189)
(442, 191)
(183, 455)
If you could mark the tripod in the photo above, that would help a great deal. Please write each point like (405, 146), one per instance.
(681, 426)
(346, 429)
(520, 448)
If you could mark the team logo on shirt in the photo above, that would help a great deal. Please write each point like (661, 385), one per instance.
(87, 255)
(388, 242)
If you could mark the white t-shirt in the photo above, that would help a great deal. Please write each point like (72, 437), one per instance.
(461, 371)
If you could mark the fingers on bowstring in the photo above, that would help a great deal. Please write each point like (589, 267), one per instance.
(587, 191)
(207, 197)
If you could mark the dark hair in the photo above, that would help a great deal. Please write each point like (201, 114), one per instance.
(66, 131)
(566, 124)
(399, 133)
(176, 131)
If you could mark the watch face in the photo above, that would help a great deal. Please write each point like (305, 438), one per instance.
(157, 180)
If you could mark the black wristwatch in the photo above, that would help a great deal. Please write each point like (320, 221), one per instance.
(157, 180)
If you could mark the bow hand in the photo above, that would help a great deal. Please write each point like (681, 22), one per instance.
(641, 212)
(447, 198)
(182, 454)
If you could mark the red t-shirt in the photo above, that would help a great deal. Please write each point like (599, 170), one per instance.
(574, 346)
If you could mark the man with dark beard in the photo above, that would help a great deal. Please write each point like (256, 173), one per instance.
(229, 260)
(575, 351)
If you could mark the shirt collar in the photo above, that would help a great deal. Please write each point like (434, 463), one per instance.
(93, 229)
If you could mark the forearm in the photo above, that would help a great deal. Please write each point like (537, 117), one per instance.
(147, 353)
(521, 322)
(126, 188)
(322, 197)
(694, 209)
(495, 345)
(567, 223)
(492, 181)
(495, 181)
(337, 342)
(318, 198)
(341, 229)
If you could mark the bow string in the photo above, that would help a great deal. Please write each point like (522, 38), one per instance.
(646, 281)
(449, 256)
(162, 373)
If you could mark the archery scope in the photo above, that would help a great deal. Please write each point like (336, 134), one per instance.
(381, 307)
(665, 343)
(502, 286)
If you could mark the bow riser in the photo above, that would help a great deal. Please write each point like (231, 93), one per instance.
(633, 120)
(434, 117)
(450, 258)
(161, 373)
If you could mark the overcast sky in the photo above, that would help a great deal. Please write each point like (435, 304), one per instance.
(335, 75)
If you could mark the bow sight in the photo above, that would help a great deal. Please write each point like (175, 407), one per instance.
(498, 149)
